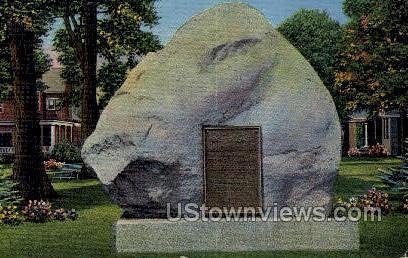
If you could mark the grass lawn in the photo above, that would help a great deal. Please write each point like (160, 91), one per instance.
(90, 235)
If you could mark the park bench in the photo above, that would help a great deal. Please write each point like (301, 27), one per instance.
(67, 172)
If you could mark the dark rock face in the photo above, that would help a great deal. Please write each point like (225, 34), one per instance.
(155, 184)
(226, 66)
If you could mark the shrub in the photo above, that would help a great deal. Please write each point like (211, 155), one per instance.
(67, 152)
(395, 179)
(9, 215)
(378, 151)
(52, 164)
(62, 214)
(353, 152)
(9, 195)
(371, 151)
(72, 214)
(404, 206)
(10, 199)
(6, 158)
(372, 200)
(375, 199)
(38, 211)
(347, 205)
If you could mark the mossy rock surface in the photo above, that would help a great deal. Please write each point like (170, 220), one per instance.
(225, 66)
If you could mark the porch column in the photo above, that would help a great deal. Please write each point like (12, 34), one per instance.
(352, 139)
(375, 132)
(56, 134)
(60, 134)
(365, 134)
(42, 136)
(71, 132)
(52, 136)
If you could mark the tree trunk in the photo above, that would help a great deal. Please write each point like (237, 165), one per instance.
(89, 112)
(28, 169)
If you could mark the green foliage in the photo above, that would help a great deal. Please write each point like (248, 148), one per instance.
(355, 8)
(395, 178)
(9, 195)
(5, 71)
(71, 71)
(318, 38)
(373, 73)
(404, 205)
(122, 40)
(36, 16)
(10, 200)
(66, 152)
(42, 64)
(110, 77)
(405, 151)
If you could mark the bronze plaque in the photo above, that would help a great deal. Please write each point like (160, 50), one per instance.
(232, 167)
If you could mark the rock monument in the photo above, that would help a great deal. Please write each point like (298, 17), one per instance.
(225, 67)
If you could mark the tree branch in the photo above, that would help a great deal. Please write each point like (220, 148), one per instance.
(74, 39)
(74, 34)
(74, 23)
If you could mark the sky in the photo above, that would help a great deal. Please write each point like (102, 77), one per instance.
(174, 13)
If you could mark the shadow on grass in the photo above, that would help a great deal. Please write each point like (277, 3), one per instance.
(390, 163)
(348, 186)
(368, 159)
(82, 197)
(261, 254)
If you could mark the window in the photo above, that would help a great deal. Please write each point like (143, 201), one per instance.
(386, 128)
(53, 103)
(46, 141)
(6, 139)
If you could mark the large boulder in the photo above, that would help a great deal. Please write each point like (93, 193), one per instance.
(225, 66)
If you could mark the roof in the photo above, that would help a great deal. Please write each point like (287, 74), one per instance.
(364, 115)
(54, 81)
(359, 116)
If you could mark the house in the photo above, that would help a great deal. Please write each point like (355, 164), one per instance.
(385, 128)
(57, 119)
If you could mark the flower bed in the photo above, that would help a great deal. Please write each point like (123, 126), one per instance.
(52, 164)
